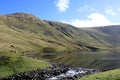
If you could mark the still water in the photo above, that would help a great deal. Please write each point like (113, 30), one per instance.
(107, 60)
(93, 60)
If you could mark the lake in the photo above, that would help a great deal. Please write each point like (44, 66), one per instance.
(94, 60)
(104, 60)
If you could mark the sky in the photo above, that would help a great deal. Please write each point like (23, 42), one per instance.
(79, 13)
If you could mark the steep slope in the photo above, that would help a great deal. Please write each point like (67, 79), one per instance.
(27, 33)
(109, 36)
(24, 32)
(79, 35)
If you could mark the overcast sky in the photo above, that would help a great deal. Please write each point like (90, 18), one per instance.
(80, 13)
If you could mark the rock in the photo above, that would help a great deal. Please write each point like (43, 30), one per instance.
(52, 73)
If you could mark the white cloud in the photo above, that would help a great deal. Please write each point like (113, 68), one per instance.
(118, 8)
(86, 8)
(110, 11)
(62, 5)
(93, 20)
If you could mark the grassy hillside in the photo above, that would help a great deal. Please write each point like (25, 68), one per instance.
(78, 35)
(29, 34)
(11, 63)
(108, 75)
(109, 36)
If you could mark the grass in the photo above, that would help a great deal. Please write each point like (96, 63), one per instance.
(108, 75)
(30, 34)
(16, 63)
(26, 41)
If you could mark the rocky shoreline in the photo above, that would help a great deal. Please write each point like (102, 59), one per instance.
(56, 72)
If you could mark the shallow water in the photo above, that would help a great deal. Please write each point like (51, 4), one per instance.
(72, 72)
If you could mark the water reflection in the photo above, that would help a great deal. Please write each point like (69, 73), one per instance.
(105, 60)
(95, 60)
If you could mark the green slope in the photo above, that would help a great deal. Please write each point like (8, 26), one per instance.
(109, 36)
(30, 34)
(108, 75)
(78, 35)
(11, 63)
(33, 34)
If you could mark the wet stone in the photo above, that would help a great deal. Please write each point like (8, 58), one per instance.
(56, 72)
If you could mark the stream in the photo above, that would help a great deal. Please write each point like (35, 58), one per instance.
(73, 73)
(56, 72)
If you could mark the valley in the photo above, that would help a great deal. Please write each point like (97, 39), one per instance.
(28, 43)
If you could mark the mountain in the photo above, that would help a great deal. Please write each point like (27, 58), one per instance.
(26, 33)
(105, 37)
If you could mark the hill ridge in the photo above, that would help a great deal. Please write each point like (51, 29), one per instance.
(36, 34)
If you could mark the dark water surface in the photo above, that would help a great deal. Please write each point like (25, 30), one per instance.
(103, 60)
(92, 60)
